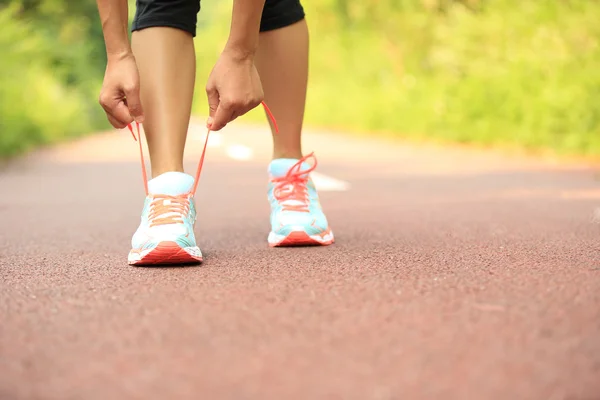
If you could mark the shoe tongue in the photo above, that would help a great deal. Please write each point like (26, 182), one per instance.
(281, 166)
(171, 183)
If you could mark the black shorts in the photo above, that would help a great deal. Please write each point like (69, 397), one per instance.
(182, 14)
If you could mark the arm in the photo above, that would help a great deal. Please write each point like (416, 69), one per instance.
(245, 26)
(234, 86)
(120, 96)
(113, 16)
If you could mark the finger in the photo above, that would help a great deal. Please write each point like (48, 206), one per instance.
(213, 103)
(116, 108)
(223, 115)
(242, 110)
(235, 115)
(121, 113)
(134, 103)
(115, 123)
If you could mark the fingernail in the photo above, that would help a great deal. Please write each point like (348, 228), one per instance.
(139, 120)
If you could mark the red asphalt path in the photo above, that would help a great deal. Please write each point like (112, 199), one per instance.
(456, 275)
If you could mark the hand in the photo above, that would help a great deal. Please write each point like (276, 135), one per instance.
(233, 89)
(120, 95)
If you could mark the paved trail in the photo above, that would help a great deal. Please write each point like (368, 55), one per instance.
(456, 274)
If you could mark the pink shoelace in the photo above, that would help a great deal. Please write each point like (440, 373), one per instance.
(292, 186)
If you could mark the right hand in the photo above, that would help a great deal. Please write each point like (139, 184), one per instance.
(233, 89)
(120, 94)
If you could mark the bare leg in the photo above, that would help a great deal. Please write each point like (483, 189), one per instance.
(167, 64)
(282, 62)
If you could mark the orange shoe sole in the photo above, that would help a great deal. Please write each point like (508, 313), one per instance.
(300, 239)
(167, 253)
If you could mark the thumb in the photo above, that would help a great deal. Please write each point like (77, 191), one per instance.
(134, 103)
(213, 104)
(223, 115)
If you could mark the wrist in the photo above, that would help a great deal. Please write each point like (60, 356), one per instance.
(241, 52)
(119, 55)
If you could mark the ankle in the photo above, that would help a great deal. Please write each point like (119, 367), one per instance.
(161, 169)
(295, 154)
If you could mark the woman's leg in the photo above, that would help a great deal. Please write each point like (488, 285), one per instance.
(282, 62)
(163, 46)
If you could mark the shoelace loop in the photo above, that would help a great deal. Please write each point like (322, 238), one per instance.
(291, 190)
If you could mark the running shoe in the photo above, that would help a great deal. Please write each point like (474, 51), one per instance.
(297, 218)
(166, 231)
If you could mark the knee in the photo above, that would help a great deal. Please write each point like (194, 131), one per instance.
(180, 14)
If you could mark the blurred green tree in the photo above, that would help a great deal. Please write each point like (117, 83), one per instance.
(52, 67)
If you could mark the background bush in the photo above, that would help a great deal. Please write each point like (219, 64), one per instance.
(49, 72)
(514, 73)
(523, 73)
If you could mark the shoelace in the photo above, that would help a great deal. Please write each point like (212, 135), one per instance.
(178, 205)
(164, 204)
(292, 186)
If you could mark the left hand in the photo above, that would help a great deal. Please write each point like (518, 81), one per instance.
(233, 89)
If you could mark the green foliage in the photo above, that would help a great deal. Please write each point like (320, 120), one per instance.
(49, 75)
(514, 73)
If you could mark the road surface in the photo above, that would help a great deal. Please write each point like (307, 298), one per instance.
(456, 274)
